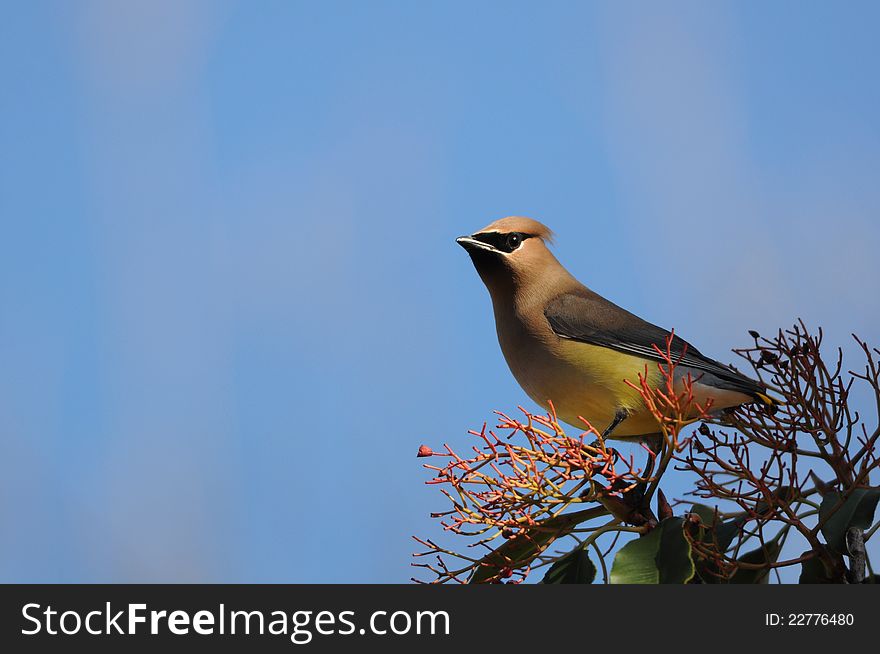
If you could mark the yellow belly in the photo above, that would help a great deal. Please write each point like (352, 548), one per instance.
(588, 381)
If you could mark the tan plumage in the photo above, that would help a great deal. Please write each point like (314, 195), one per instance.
(566, 344)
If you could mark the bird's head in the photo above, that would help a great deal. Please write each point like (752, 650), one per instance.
(509, 252)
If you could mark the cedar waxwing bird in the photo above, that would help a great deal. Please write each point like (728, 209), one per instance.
(566, 344)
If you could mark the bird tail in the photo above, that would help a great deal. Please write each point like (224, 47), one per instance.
(766, 400)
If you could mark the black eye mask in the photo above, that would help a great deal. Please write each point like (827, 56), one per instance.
(503, 242)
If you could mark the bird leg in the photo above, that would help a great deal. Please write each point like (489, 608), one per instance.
(653, 444)
(619, 416)
(635, 498)
(639, 508)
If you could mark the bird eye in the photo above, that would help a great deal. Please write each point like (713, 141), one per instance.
(514, 240)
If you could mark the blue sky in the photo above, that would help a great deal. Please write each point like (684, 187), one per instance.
(231, 306)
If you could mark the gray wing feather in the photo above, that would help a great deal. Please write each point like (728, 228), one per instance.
(590, 318)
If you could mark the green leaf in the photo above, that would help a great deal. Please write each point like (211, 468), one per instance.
(573, 568)
(663, 556)
(724, 532)
(525, 546)
(813, 571)
(763, 555)
(727, 531)
(706, 513)
(857, 511)
(782, 495)
(716, 535)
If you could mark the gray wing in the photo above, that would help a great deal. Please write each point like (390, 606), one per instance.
(590, 318)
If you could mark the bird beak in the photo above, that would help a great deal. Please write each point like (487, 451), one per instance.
(471, 244)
